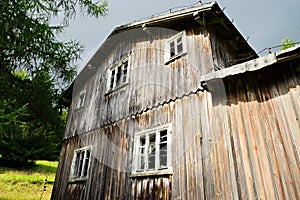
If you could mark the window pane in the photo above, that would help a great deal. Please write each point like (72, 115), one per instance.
(179, 40)
(163, 136)
(81, 100)
(163, 149)
(141, 158)
(172, 49)
(80, 163)
(76, 165)
(112, 79)
(151, 152)
(163, 153)
(86, 163)
(179, 48)
(119, 72)
(125, 66)
(141, 154)
(179, 45)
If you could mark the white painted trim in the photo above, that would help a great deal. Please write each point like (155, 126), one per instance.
(167, 56)
(114, 67)
(80, 104)
(146, 133)
(71, 176)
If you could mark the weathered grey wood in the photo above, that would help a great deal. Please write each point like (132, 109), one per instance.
(242, 144)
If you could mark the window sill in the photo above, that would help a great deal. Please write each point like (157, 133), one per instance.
(115, 89)
(151, 173)
(173, 58)
(77, 180)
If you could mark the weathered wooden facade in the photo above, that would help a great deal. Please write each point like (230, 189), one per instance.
(183, 85)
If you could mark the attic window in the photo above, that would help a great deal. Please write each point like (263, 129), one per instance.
(118, 75)
(81, 163)
(81, 99)
(153, 150)
(175, 47)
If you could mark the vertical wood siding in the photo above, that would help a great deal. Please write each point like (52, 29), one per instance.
(244, 145)
(151, 82)
(244, 148)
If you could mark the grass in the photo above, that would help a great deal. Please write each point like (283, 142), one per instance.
(28, 184)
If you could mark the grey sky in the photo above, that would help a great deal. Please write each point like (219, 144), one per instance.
(265, 22)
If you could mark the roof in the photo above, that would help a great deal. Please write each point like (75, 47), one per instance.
(207, 14)
(163, 17)
(255, 64)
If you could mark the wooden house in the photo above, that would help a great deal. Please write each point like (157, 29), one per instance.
(179, 106)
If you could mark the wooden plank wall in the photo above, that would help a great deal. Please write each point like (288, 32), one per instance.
(245, 148)
(264, 132)
(244, 145)
(151, 82)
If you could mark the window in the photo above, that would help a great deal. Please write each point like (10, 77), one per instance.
(118, 75)
(153, 150)
(175, 47)
(81, 163)
(81, 99)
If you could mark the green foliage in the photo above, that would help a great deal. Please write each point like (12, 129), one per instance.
(30, 124)
(34, 68)
(287, 43)
(29, 42)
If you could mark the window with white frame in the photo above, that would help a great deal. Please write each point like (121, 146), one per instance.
(81, 163)
(118, 75)
(81, 99)
(175, 46)
(153, 150)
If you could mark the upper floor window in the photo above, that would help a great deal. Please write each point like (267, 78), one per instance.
(81, 163)
(81, 99)
(118, 75)
(175, 47)
(153, 150)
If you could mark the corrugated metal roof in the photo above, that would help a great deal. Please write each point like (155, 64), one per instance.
(254, 65)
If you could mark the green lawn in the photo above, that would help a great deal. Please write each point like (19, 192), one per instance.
(28, 184)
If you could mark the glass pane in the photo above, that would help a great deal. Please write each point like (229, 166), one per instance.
(163, 149)
(179, 45)
(172, 49)
(142, 141)
(179, 48)
(179, 40)
(80, 163)
(81, 100)
(151, 152)
(119, 71)
(163, 136)
(141, 154)
(76, 165)
(86, 163)
(125, 66)
(163, 153)
(141, 158)
(112, 79)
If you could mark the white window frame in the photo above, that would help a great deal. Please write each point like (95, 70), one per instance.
(112, 84)
(85, 156)
(81, 99)
(137, 146)
(175, 52)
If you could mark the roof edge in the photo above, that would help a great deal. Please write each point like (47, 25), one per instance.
(165, 16)
(254, 65)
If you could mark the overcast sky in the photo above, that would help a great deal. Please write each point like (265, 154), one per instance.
(265, 22)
